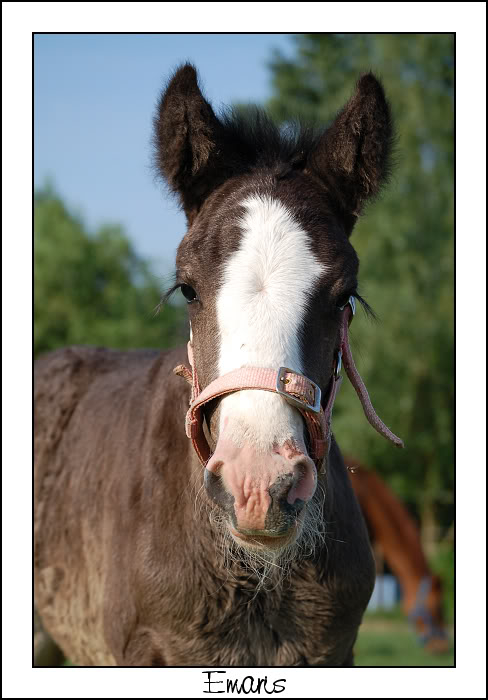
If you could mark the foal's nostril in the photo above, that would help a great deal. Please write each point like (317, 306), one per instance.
(216, 491)
(282, 514)
(280, 491)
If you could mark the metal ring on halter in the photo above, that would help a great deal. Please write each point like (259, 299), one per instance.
(352, 303)
(338, 364)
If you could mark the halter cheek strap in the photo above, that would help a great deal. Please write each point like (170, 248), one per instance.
(295, 388)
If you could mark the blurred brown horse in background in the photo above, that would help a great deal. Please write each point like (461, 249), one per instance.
(392, 527)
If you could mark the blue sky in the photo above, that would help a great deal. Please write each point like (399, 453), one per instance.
(94, 97)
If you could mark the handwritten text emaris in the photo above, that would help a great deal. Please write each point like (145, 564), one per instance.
(247, 685)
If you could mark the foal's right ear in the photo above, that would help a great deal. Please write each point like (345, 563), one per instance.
(189, 141)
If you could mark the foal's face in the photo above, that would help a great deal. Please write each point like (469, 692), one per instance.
(265, 266)
(267, 275)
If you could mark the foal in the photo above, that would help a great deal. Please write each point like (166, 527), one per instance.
(243, 545)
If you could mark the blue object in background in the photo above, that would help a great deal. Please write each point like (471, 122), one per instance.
(386, 593)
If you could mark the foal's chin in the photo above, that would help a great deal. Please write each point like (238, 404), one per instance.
(264, 542)
(267, 541)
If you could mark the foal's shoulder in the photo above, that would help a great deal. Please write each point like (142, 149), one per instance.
(68, 372)
(63, 378)
(83, 363)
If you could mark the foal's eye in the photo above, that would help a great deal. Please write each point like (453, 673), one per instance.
(188, 292)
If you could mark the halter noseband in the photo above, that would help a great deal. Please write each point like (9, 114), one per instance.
(298, 390)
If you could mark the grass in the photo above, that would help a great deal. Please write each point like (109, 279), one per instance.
(388, 640)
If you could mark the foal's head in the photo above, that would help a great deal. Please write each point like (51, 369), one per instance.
(266, 267)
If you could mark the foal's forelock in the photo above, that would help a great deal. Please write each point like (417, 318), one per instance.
(261, 306)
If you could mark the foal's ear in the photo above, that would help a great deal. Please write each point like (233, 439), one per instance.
(353, 156)
(187, 137)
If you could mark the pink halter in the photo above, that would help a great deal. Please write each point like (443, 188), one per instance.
(295, 388)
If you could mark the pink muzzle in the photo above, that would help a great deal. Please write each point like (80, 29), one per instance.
(295, 388)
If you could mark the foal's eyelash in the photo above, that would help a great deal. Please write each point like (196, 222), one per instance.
(167, 296)
(169, 293)
(367, 308)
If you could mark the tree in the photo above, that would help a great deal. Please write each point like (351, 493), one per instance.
(405, 244)
(94, 289)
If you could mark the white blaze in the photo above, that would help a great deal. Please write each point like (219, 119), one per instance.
(260, 310)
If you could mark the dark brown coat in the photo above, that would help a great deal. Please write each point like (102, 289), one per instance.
(129, 569)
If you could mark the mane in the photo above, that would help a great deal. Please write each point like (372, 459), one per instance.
(259, 142)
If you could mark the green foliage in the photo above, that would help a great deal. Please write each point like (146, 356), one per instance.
(442, 564)
(405, 244)
(387, 639)
(93, 289)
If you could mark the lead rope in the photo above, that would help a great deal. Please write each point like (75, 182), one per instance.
(358, 384)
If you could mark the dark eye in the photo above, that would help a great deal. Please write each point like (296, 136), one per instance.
(188, 292)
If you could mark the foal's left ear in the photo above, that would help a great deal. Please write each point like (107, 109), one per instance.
(189, 141)
(352, 158)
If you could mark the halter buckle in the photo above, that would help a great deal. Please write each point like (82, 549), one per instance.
(338, 364)
(294, 400)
